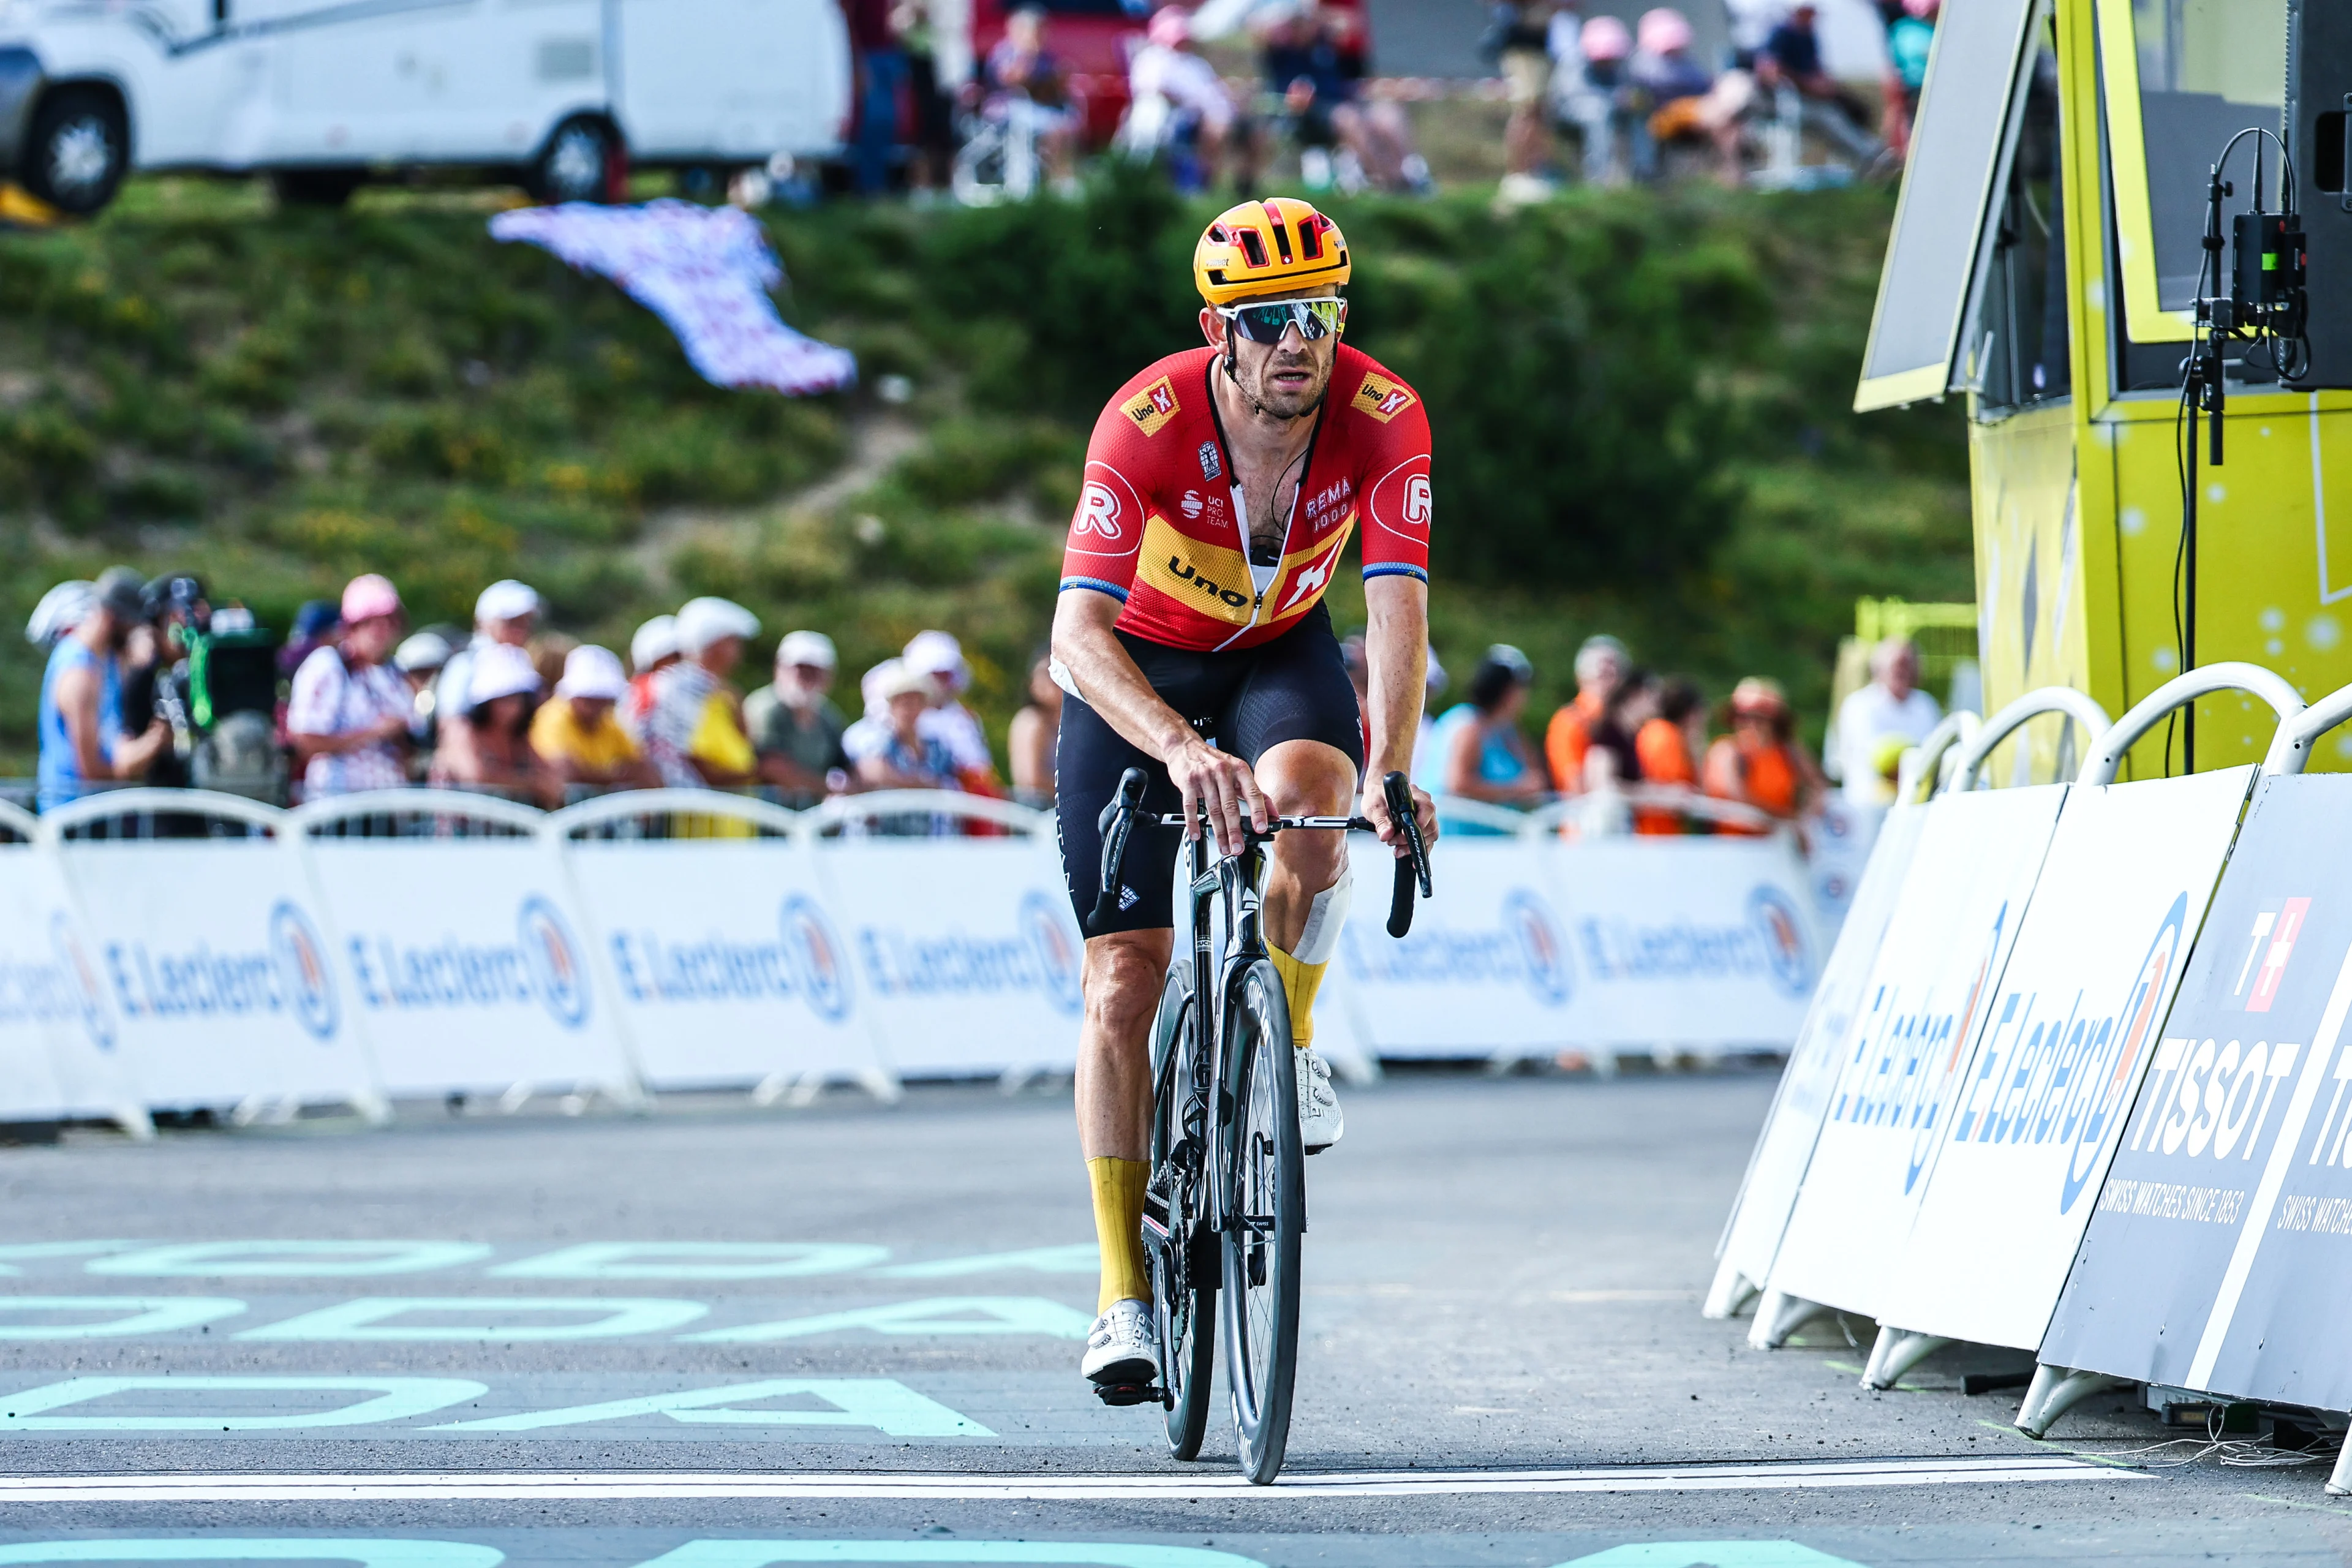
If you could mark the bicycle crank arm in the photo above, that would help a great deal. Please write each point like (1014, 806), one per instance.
(1121, 1395)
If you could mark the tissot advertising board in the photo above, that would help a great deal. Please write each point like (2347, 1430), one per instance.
(2065, 1042)
(2219, 1254)
(1902, 1062)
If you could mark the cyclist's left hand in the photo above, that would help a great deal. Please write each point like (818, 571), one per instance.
(1375, 809)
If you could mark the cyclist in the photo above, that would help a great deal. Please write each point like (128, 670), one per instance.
(1221, 485)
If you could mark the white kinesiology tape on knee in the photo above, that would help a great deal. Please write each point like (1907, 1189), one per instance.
(1325, 913)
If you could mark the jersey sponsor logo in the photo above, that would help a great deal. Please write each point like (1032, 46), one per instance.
(1210, 580)
(1191, 504)
(1308, 585)
(1382, 398)
(1152, 407)
(1339, 493)
(1098, 512)
(1211, 468)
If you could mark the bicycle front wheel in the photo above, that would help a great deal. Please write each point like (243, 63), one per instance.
(1265, 1174)
(1183, 1273)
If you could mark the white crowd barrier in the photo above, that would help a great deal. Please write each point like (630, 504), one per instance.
(2120, 1137)
(177, 951)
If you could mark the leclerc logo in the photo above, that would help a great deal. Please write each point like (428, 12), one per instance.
(2105, 1054)
(1540, 945)
(81, 980)
(1782, 932)
(556, 972)
(818, 954)
(309, 989)
(1057, 956)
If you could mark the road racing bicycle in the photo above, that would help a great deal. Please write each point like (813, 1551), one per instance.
(1226, 1205)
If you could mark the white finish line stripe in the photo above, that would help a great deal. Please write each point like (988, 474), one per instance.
(459, 1487)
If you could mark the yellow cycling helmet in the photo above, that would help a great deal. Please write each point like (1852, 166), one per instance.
(1271, 246)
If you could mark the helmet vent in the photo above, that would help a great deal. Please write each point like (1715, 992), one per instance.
(1282, 238)
(1253, 247)
(1310, 238)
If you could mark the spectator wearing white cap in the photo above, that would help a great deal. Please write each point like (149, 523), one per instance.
(420, 660)
(653, 647)
(695, 732)
(487, 746)
(506, 612)
(902, 753)
(348, 714)
(60, 610)
(578, 735)
(939, 658)
(794, 725)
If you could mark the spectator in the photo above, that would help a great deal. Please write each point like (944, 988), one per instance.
(1476, 751)
(156, 682)
(579, 736)
(1519, 40)
(795, 727)
(549, 652)
(695, 732)
(652, 648)
(60, 610)
(1594, 90)
(486, 745)
(934, 112)
(82, 741)
(420, 661)
(1792, 58)
(1375, 129)
(1878, 722)
(1434, 680)
(1667, 749)
(314, 627)
(348, 717)
(1021, 66)
(939, 657)
(1612, 760)
(1687, 99)
(505, 613)
(1175, 95)
(906, 753)
(1910, 33)
(878, 71)
(1761, 763)
(1600, 666)
(1035, 729)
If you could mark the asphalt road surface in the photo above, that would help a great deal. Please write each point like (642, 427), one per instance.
(723, 1338)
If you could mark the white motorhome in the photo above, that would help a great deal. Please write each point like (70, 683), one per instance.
(318, 93)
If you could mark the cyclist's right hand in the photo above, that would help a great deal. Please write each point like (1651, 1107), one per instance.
(1222, 782)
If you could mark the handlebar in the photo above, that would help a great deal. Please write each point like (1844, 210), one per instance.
(1117, 821)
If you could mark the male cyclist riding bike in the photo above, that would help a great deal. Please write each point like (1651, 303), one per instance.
(1222, 485)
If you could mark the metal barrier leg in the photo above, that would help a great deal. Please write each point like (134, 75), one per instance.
(1779, 1315)
(2339, 1480)
(2055, 1391)
(883, 1085)
(1731, 1291)
(1897, 1351)
(771, 1089)
(517, 1096)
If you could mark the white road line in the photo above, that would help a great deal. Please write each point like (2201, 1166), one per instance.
(461, 1487)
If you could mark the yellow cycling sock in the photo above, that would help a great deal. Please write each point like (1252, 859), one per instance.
(1300, 982)
(1119, 1229)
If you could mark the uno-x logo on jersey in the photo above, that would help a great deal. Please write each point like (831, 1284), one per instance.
(1097, 510)
(1152, 407)
(1379, 396)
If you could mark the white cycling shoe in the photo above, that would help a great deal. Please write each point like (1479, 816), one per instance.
(1319, 1122)
(1122, 1346)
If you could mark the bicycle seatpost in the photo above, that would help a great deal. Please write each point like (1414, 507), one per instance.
(1412, 868)
(1117, 822)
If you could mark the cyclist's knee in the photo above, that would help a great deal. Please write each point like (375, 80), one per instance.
(1123, 976)
(1307, 778)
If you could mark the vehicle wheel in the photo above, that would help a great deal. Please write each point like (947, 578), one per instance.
(1265, 1168)
(576, 163)
(78, 149)
(1183, 1272)
(315, 188)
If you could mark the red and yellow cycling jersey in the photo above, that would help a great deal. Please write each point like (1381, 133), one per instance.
(1160, 525)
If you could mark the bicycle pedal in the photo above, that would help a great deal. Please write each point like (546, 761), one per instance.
(1121, 1395)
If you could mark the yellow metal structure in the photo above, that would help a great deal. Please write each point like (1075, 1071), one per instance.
(2077, 498)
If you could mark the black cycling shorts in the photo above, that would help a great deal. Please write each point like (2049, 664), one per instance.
(1248, 700)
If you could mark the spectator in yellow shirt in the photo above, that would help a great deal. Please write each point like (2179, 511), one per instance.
(579, 734)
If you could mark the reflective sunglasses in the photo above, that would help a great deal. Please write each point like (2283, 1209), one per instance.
(1313, 319)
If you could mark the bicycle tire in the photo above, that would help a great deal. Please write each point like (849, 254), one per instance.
(1183, 1315)
(1266, 1167)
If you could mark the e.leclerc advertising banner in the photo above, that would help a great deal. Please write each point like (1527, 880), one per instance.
(1902, 1064)
(2060, 1057)
(727, 968)
(2219, 1256)
(466, 966)
(966, 950)
(213, 965)
(1777, 1167)
(59, 1031)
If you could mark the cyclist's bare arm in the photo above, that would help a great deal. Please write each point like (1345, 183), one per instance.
(1113, 686)
(1396, 655)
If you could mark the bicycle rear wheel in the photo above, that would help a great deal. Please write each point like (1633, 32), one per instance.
(1266, 1170)
(1183, 1273)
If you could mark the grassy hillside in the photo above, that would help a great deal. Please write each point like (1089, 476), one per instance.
(1640, 403)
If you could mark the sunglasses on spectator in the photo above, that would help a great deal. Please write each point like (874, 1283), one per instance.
(1314, 319)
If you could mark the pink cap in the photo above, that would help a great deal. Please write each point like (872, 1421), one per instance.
(368, 597)
(1665, 30)
(1170, 28)
(1605, 38)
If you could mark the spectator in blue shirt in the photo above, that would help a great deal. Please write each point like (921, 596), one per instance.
(82, 741)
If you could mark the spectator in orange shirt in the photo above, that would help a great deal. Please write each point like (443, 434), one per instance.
(1600, 667)
(1667, 748)
(1761, 763)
